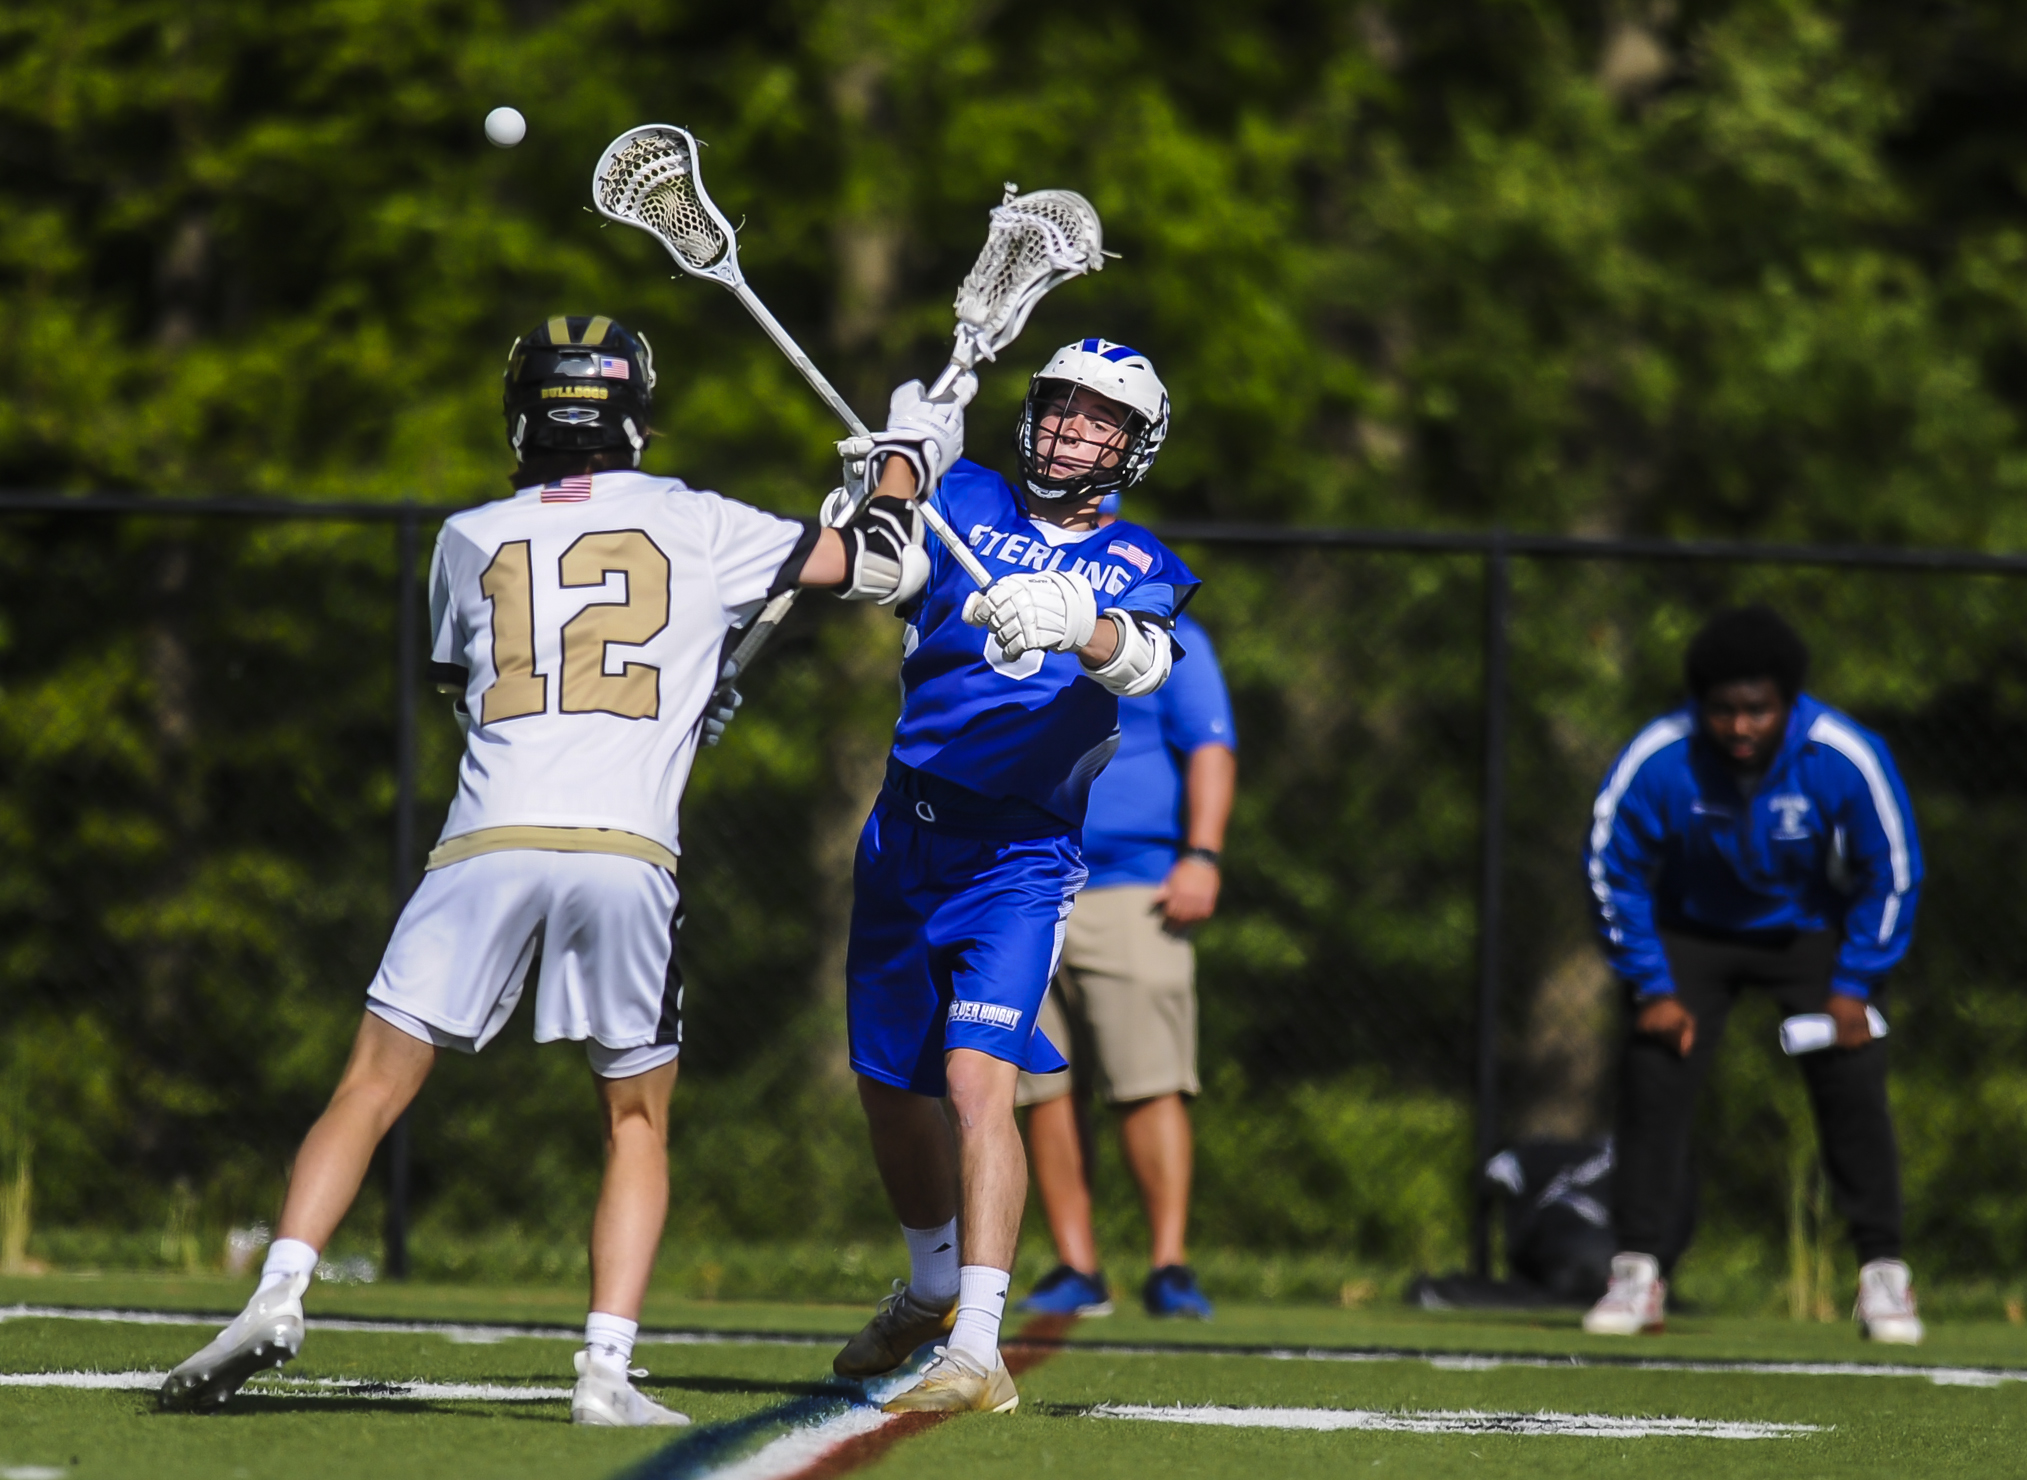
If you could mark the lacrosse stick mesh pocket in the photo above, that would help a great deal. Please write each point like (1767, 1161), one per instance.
(652, 182)
(1035, 239)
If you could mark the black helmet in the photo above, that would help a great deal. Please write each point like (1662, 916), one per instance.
(579, 384)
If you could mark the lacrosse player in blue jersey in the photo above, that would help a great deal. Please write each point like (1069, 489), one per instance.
(970, 861)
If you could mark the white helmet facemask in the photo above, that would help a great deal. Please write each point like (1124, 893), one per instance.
(1078, 373)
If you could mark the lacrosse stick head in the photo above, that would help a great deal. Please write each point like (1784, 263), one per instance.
(648, 177)
(1036, 241)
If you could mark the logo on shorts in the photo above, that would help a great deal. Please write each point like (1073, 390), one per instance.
(990, 1013)
(924, 811)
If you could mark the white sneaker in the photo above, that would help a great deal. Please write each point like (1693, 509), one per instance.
(266, 1334)
(1885, 1310)
(1635, 1303)
(605, 1397)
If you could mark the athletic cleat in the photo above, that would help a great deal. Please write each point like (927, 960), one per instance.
(1885, 1309)
(1064, 1291)
(1635, 1303)
(266, 1334)
(606, 1398)
(898, 1329)
(952, 1385)
(1172, 1291)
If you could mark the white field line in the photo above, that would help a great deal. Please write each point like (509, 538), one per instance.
(461, 1332)
(304, 1387)
(481, 1334)
(798, 1451)
(1461, 1421)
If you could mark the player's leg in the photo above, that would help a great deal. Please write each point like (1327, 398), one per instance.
(626, 1230)
(917, 1161)
(382, 1076)
(992, 1165)
(612, 978)
(969, 1374)
(449, 978)
(633, 1200)
(996, 942)
(1651, 1174)
(386, 1070)
(894, 1017)
(1076, 1286)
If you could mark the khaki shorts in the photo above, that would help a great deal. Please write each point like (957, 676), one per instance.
(1123, 1005)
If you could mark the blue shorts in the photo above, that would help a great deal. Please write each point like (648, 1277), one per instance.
(954, 940)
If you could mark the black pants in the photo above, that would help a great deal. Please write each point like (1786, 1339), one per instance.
(1653, 1187)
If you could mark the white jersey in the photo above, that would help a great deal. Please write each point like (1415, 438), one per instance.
(589, 616)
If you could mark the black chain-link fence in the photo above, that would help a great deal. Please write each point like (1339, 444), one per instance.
(219, 769)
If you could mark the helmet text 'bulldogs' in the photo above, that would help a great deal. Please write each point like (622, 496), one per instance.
(605, 374)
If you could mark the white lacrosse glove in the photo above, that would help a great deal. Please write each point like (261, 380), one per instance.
(724, 704)
(928, 435)
(832, 514)
(884, 556)
(1053, 610)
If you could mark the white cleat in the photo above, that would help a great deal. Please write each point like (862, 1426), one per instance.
(1885, 1310)
(606, 1397)
(1635, 1303)
(266, 1334)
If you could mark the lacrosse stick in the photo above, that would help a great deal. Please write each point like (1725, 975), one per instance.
(648, 177)
(1037, 242)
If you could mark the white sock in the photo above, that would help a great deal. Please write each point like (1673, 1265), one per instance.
(609, 1339)
(286, 1258)
(981, 1301)
(932, 1263)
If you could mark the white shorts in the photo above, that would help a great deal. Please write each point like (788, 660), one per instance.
(601, 927)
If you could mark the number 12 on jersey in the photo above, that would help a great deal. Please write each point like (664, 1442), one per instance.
(634, 692)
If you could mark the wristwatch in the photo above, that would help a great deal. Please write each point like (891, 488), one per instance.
(1201, 855)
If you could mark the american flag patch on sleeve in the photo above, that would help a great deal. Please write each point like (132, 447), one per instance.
(572, 490)
(1133, 553)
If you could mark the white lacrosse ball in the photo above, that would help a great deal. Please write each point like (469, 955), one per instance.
(506, 127)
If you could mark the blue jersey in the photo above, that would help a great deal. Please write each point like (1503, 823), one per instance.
(1137, 819)
(1033, 731)
(1825, 842)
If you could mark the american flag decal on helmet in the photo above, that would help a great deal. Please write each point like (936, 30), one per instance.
(572, 490)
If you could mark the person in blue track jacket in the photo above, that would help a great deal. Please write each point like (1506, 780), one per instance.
(1756, 838)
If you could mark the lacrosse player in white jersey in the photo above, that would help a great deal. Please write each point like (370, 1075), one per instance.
(580, 625)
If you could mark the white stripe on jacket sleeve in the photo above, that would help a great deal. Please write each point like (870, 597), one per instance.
(1605, 811)
(1847, 742)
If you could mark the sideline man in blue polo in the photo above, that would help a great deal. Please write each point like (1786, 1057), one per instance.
(1755, 838)
(1123, 1004)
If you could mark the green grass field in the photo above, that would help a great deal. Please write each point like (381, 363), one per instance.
(744, 1393)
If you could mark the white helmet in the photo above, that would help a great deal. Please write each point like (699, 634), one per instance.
(1113, 371)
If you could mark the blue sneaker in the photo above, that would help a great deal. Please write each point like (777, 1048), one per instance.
(1065, 1292)
(1172, 1291)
